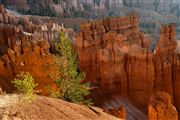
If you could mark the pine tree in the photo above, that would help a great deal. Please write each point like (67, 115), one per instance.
(68, 77)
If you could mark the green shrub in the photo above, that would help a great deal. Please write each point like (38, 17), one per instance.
(68, 77)
(24, 83)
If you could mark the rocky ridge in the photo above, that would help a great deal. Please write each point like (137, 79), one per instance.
(152, 13)
(65, 8)
(44, 108)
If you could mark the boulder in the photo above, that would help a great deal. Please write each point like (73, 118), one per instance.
(119, 112)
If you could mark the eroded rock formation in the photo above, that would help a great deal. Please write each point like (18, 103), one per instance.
(12, 25)
(111, 51)
(30, 56)
(120, 112)
(117, 59)
(23, 50)
(163, 59)
(161, 108)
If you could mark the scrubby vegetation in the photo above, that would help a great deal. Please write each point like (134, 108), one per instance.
(68, 77)
(25, 84)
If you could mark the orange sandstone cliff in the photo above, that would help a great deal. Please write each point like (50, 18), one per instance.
(118, 60)
(115, 55)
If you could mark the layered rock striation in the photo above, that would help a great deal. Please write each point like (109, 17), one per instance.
(117, 59)
(115, 55)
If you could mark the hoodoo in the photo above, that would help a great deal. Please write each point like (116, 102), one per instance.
(116, 57)
(129, 79)
(23, 49)
(118, 60)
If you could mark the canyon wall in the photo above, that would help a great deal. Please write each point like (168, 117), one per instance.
(118, 61)
(72, 7)
(113, 52)
(116, 58)
(151, 12)
(163, 59)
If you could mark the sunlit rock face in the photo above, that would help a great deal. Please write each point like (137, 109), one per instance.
(115, 56)
(117, 60)
(113, 52)
(163, 57)
(24, 47)
(166, 62)
(30, 56)
(161, 108)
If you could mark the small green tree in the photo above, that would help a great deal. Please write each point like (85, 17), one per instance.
(68, 77)
(24, 83)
